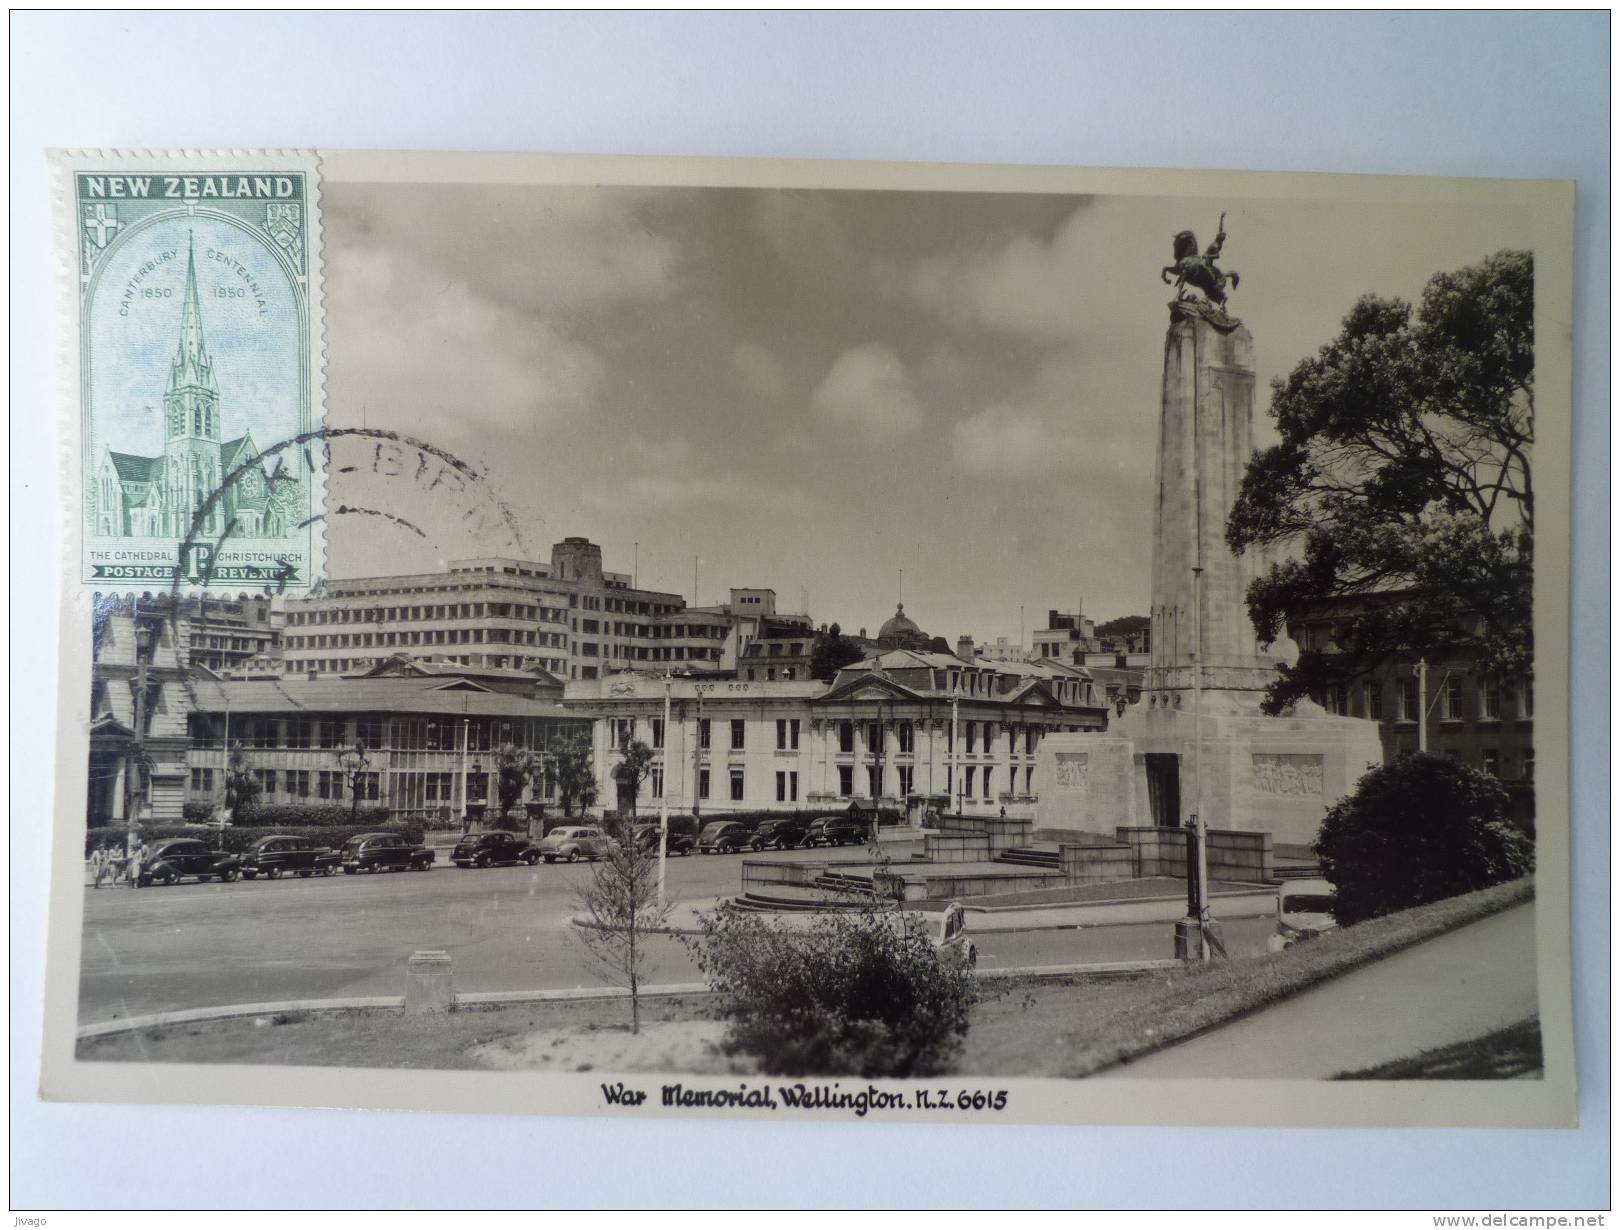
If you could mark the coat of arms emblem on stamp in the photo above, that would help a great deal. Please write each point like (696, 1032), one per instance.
(196, 321)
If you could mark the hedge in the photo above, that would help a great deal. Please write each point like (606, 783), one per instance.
(297, 815)
(239, 837)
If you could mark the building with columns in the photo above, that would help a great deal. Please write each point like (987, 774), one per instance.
(897, 727)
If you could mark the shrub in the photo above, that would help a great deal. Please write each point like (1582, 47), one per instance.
(1418, 830)
(197, 813)
(312, 815)
(237, 838)
(861, 992)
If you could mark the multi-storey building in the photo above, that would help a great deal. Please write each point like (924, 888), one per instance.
(902, 725)
(1485, 722)
(139, 675)
(432, 734)
(782, 647)
(568, 617)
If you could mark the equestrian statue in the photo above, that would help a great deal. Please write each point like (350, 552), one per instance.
(1191, 269)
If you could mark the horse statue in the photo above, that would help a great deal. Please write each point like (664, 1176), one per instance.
(1191, 269)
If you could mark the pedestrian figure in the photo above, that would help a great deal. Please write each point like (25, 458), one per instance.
(96, 865)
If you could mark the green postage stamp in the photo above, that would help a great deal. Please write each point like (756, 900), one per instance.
(197, 339)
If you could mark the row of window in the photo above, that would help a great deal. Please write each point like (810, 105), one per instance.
(787, 736)
(338, 666)
(429, 636)
(274, 784)
(442, 610)
(1493, 702)
(441, 734)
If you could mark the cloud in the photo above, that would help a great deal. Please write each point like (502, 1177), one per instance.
(555, 250)
(759, 371)
(411, 345)
(1043, 289)
(868, 389)
(1055, 424)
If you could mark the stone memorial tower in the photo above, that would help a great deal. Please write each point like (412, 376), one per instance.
(1197, 740)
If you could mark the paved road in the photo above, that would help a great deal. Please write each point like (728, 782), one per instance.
(507, 928)
(1457, 986)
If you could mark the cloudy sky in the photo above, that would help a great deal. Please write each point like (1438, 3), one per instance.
(812, 390)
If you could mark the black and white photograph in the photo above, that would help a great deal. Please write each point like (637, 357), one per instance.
(777, 634)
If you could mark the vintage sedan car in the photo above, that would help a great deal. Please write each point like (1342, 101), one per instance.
(836, 831)
(279, 855)
(575, 842)
(779, 835)
(674, 843)
(1304, 910)
(177, 858)
(492, 849)
(384, 852)
(723, 837)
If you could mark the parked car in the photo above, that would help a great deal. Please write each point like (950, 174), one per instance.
(723, 837)
(173, 860)
(836, 831)
(384, 852)
(489, 849)
(276, 856)
(779, 835)
(1304, 910)
(574, 843)
(674, 843)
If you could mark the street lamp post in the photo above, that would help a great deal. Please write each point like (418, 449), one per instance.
(466, 810)
(663, 792)
(956, 754)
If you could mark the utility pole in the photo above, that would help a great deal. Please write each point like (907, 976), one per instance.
(697, 755)
(663, 791)
(1200, 832)
(1421, 670)
(956, 754)
(466, 814)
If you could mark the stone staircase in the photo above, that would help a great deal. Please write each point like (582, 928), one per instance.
(1045, 858)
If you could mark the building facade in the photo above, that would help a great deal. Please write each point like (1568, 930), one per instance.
(432, 734)
(1484, 722)
(568, 617)
(896, 727)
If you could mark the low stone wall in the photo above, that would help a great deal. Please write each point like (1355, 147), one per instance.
(1073, 837)
(1232, 854)
(767, 877)
(950, 848)
(1097, 864)
(949, 887)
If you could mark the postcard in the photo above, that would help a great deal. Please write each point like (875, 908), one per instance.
(867, 642)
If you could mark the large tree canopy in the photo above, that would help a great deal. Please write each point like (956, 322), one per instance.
(1403, 475)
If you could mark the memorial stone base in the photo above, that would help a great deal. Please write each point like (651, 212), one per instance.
(1276, 775)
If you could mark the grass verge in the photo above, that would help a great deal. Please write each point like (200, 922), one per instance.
(1169, 1010)
(1502, 1054)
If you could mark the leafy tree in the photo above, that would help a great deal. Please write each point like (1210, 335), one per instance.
(1417, 830)
(569, 767)
(632, 770)
(621, 913)
(831, 652)
(241, 787)
(353, 762)
(1403, 476)
(1123, 628)
(516, 767)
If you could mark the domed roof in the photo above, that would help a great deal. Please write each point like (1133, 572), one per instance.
(898, 626)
